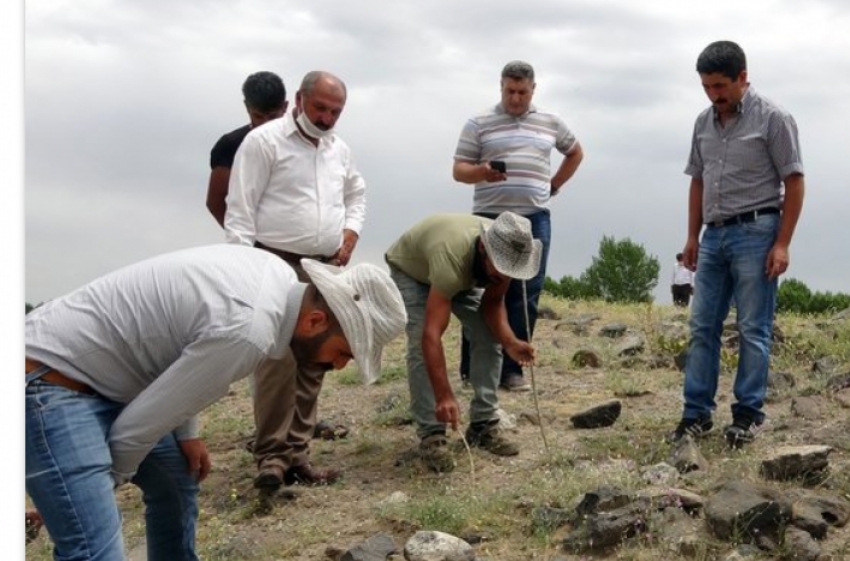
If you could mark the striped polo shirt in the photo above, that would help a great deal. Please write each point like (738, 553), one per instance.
(525, 144)
(742, 165)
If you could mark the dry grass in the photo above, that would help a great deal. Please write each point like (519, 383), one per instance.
(495, 500)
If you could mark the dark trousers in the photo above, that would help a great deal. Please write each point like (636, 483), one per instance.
(682, 294)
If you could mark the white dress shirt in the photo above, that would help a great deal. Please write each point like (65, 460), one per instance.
(167, 337)
(290, 195)
(682, 275)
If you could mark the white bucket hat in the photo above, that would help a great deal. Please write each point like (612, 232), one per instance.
(511, 247)
(368, 306)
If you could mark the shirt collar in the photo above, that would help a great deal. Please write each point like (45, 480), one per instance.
(743, 105)
(501, 110)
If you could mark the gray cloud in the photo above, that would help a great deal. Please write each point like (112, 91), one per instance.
(125, 99)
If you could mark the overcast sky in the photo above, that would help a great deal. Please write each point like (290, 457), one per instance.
(124, 100)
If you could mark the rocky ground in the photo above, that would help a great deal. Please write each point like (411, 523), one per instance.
(616, 491)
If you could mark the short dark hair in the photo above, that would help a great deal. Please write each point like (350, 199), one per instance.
(264, 91)
(518, 70)
(679, 257)
(723, 57)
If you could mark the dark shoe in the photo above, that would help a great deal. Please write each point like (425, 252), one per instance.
(435, 453)
(742, 431)
(696, 428)
(269, 478)
(491, 438)
(34, 524)
(515, 383)
(327, 431)
(306, 474)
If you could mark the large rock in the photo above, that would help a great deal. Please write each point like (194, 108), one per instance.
(437, 546)
(614, 330)
(743, 511)
(602, 415)
(605, 529)
(586, 358)
(631, 346)
(796, 462)
(815, 513)
(376, 548)
(686, 456)
(800, 545)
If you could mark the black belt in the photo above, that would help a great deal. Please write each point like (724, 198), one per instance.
(743, 217)
(289, 257)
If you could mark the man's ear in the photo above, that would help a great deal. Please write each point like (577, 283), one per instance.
(312, 322)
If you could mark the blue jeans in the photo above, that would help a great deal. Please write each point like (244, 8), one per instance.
(485, 350)
(731, 263)
(515, 304)
(68, 477)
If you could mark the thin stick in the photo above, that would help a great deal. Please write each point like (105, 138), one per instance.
(471, 462)
(531, 369)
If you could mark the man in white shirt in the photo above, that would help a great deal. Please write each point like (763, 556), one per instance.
(682, 285)
(118, 370)
(295, 191)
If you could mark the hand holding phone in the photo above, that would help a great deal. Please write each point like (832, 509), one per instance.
(498, 165)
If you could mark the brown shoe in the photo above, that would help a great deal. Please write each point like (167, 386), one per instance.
(269, 478)
(306, 474)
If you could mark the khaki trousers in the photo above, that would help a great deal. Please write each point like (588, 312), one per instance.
(285, 412)
(285, 407)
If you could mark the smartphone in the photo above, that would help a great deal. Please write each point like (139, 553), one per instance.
(499, 166)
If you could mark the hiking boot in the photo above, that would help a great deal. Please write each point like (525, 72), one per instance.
(435, 453)
(742, 431)
(515, 383)
(696, 428)
(306, 474)
(270, 478)
(491, 438)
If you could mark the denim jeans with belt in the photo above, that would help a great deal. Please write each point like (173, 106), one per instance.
(68, 477)
(486, 359)
(731, 263)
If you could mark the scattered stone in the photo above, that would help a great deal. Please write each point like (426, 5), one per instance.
(437, 546)
(674, 331)
(657, 361)
(376, 548)
(613, 330)
(606, 497)
(586, 358)
(825, 365)
(660, 474)
(507, 420)
(796, 462)
(687, 457)
(780, 381)
(578, 325)
(839, 382)
(602, 415)
(395, 498)
(809, 407)
(605, 529)
(674, 526)
(744, 552)
(672, 497)
(800, 545)
(630, 346)
(745, 511)
(391, 402)
(815, 513)
(545, 312)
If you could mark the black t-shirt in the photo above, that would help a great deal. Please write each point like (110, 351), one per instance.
(224, 150)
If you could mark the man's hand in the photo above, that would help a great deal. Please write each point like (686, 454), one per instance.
(777, 261)
(490, 175)
(521, 351)
(197, 456)
(343, 254)
(447, 411)
(690, 253)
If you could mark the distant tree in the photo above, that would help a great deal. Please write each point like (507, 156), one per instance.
(29, 308)
(622, 272)
(794, 296)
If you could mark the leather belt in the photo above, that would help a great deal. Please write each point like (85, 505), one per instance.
(743, 218)
(289, 257)
(56, 378)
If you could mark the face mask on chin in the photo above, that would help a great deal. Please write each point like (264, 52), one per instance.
(309, 128)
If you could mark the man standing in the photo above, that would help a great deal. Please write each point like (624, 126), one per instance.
(522, 137)
(441, 265)
(118, 370)
(682, 285)
(295, 192)
(265, 99)
(743, 148)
